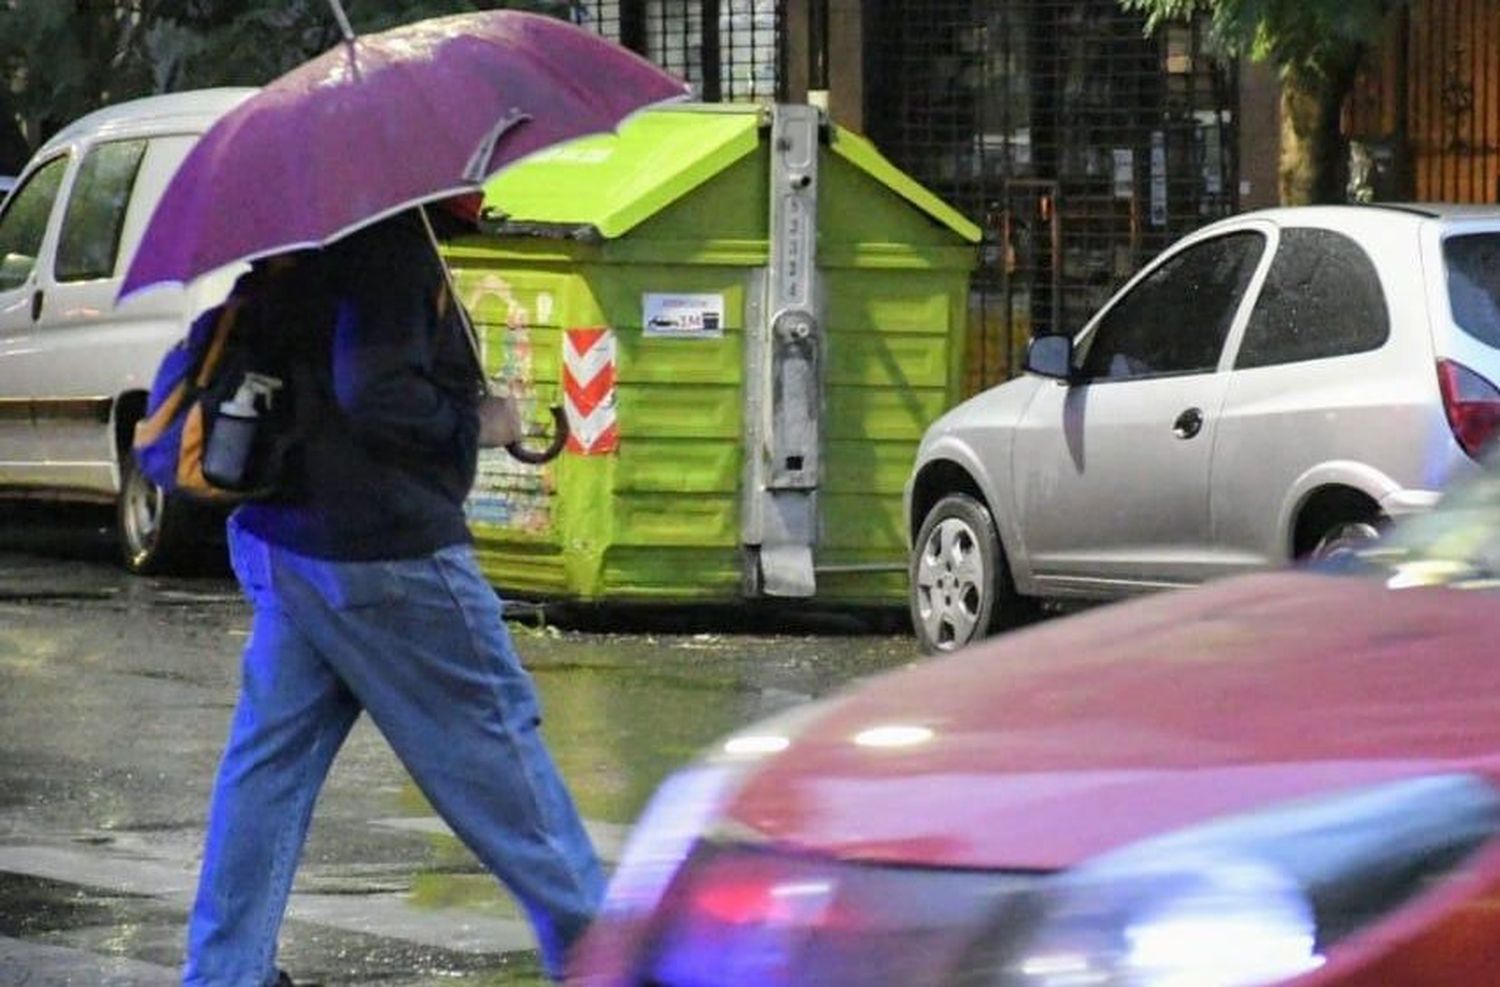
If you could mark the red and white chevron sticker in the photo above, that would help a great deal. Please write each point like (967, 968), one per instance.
(589, 391)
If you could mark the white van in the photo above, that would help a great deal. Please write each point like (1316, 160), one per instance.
(75, 368)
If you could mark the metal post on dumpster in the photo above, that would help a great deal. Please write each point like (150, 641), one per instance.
(784, 372)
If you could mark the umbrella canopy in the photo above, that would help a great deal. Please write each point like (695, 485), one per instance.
(381, 123)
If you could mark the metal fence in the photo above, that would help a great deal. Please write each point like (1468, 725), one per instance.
(1425, 113)
(1080, 145)
(728, 50)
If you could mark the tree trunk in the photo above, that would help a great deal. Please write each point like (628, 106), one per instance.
(1314, 152)
(14, 150)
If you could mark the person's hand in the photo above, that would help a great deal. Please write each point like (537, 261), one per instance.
(499, 422)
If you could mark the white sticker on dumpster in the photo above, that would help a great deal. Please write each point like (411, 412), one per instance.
(683, 316)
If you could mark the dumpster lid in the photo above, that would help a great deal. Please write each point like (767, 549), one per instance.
(607, 184)
(858, 151)
(613, 182)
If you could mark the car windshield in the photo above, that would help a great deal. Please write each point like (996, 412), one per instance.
(1473, 263)
(1457, 544)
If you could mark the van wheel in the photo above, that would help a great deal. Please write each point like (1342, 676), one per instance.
(157, 533)
(960, 584)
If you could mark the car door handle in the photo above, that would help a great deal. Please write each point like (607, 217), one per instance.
(37, 298)
(1188, 424)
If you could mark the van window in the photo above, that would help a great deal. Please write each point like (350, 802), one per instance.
(24, 222)
(1473, 263)
(163, 156)
(90, 242)
(1322, 298)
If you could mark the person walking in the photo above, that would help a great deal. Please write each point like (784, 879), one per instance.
(367, 598)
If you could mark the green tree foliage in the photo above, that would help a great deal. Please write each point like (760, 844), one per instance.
(1317, 46)
(60, 59)
(249, 42)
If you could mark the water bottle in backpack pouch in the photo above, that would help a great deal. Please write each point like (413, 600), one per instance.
(236, 434)
(228, 405)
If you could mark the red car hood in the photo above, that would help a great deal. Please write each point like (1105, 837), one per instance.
(1041, 748)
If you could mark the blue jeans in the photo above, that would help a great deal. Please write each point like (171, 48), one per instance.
(419, 644)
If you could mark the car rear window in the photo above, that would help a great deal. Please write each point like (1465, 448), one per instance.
(1473, 263)
(1322, 298)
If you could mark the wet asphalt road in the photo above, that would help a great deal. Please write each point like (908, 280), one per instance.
(115, 693)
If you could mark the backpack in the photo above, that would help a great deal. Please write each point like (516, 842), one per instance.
(231, 401)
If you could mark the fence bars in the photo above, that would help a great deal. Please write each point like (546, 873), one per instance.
(727, 50)
(1080, 145)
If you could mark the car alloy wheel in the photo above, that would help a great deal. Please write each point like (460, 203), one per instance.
(142, 506)
(960, 587)
(1344, 539)
(951, 581)
(157, 533)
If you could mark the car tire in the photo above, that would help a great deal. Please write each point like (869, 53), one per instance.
(157, 533)
(960, 583)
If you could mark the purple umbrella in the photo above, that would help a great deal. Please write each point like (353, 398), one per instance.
(381, 123)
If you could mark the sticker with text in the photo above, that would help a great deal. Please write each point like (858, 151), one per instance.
(683, 316)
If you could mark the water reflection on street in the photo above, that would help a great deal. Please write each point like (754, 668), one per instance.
(115, 693)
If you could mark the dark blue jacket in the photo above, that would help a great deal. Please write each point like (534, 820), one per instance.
(393, 428)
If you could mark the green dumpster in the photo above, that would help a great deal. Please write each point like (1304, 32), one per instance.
(750, 316)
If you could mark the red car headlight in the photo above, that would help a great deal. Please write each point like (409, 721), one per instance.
(1247, 901)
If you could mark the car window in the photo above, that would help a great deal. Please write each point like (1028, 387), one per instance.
(90, 240)
(164, 154)
(1473, 263)
(1322, 298)
(1175, 321)
(24, 222)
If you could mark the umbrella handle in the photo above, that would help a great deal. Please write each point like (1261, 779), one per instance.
(559, 439)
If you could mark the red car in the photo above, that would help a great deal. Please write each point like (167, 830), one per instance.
(1290, 778)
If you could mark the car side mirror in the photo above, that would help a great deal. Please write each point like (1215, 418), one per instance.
(1051, 356)
(14, 270)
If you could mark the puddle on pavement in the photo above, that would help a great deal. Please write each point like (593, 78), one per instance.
(108, 924)
(33, 906)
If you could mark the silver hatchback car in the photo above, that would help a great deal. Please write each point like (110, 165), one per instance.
(1274, 386)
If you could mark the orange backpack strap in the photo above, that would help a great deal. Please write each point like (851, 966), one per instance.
(222, 331)
(148, 430)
